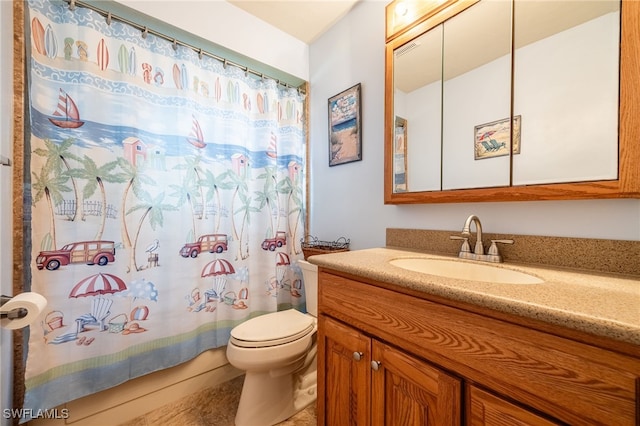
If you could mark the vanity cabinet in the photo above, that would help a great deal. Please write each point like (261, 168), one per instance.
(370, 382)
(458, 363)
(347, 380)
(487, 409)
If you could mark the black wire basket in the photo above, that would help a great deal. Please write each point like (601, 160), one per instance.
(312, 246)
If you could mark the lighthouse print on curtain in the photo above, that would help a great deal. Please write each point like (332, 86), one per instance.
(167, 202)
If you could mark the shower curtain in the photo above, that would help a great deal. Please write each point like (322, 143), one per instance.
(166, 204)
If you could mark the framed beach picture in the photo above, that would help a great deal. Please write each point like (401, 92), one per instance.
(345, 135)
(492, 139)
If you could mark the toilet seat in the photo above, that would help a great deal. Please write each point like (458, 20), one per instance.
(277, 328)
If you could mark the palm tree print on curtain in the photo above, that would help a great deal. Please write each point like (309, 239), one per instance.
(162, 185)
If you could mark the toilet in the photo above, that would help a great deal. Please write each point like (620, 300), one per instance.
(278, 353)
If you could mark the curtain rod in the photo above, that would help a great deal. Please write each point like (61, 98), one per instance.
(146, 30)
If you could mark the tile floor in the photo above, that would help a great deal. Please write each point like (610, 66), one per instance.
(211, 407)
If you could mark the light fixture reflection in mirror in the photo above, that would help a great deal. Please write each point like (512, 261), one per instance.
(401, 9)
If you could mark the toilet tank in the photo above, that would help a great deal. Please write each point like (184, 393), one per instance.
(310, 277)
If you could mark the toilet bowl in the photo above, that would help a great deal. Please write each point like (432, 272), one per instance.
(277, 351)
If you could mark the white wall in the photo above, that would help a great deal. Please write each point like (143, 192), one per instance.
(6, 118)
(233, 28)
(347, 200)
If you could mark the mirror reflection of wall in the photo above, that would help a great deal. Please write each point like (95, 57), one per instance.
(566, 81)
(477, 90)
(563, 90)
(418, 99)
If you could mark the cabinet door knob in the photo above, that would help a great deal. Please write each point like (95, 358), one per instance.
(357, 356)
(375, 365)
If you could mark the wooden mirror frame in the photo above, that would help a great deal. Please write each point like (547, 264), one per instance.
(626, 186)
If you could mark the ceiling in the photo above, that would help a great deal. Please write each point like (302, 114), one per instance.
(305, 20)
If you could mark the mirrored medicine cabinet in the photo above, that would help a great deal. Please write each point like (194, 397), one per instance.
(512, 100)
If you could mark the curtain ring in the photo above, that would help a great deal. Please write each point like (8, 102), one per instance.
(224, 64)
(200, 54)
(109, 18)
(175, 44)
(72, 4)
(145, 33)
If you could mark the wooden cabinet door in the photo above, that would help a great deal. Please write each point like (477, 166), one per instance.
(408, 391)
(347, 375)
(485, 409)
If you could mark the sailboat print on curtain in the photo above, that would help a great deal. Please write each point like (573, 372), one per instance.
(196, 138)
(66, 113)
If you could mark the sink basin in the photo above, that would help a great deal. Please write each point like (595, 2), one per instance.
(465, 270)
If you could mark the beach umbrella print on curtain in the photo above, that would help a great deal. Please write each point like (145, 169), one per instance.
(219, 269)
(97, 285)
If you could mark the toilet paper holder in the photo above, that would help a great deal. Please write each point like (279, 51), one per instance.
(14, 313)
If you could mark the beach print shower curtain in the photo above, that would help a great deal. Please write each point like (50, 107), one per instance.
(166, 201)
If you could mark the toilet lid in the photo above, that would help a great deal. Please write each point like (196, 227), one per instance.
(272, 329)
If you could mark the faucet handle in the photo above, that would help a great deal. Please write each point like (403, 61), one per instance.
(466, 248)
(493, 250)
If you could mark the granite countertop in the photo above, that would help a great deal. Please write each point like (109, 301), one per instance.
(597, 303)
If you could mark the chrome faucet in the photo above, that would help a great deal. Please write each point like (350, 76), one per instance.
(478, 252)
(466, 231)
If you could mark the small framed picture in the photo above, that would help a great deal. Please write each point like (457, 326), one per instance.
(345, 127)
(492, 139)
(400, 155)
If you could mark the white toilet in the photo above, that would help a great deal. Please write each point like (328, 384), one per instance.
(278, 353)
